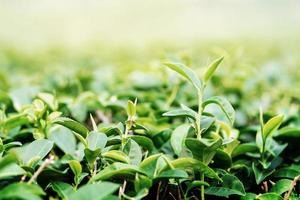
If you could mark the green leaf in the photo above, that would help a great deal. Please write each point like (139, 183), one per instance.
(281, 186)
(143, 141)
(196, 184)
(131, 108)
(117, 169)
(269, 196)
(96, 140)
(97, 191)
(203, 150)
(37, 149)
(260, 175)
(287, 172)
(64, 190)
(73, 125)
(172, 173)
(187, 73)
(271, 126)
(224, 104)
(10, 170)
(180, 113)
(230, 185)
(142, 182)
(222, 159)
(49, 99)
(289, 134)
(22, 191)
(91, 156)
(249, 196)
(117, 156)
(245, 149)
(178, 137)
(211, 69)
(15, 121)
(7, 160)
(75, 167)
(63, 138)
(149, 165)
(134, 152)
(183, 163)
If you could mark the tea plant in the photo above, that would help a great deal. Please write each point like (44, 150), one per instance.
(147, 138)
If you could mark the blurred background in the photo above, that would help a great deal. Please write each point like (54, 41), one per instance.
(33, 23)
(51, 43)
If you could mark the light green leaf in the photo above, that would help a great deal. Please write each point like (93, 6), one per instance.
(49, 99)
(180, 113)
(97, 191)
(271, 126)
(38, 148)
(117, 169)
(224, 104)
(75, 167)
(96, 140)
(211, 69)
(73, 125)
(178, 137)
(134, 152)
(117, 156)
(63, 138)
(131, 108)
(186, 73)
(10, 170)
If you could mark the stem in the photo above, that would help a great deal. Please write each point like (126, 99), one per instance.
(47, 162)
(198, 120)
(202, 187)
(288, 194)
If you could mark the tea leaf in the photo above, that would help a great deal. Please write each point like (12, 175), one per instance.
(186, 73)
(178, 136)
(73, 125)
(271, 126)
(97, 191)
(211, 69)
(225, 106)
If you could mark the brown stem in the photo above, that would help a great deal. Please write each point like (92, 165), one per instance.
(294, 183)
(122, 189)
(265, 186)
(47, 162)
(158, 189)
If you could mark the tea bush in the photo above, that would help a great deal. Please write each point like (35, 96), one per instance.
(172, 129)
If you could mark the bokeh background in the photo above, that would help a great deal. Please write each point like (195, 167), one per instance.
(51, 43)
(33, 23)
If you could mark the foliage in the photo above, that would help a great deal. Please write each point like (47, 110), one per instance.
(171, 134)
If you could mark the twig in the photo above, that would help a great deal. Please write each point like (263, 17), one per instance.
(294, 183)
(122, 189)
(95, 169)
(172, 195)
(47, 162)
(158, 189)
(265, 186)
